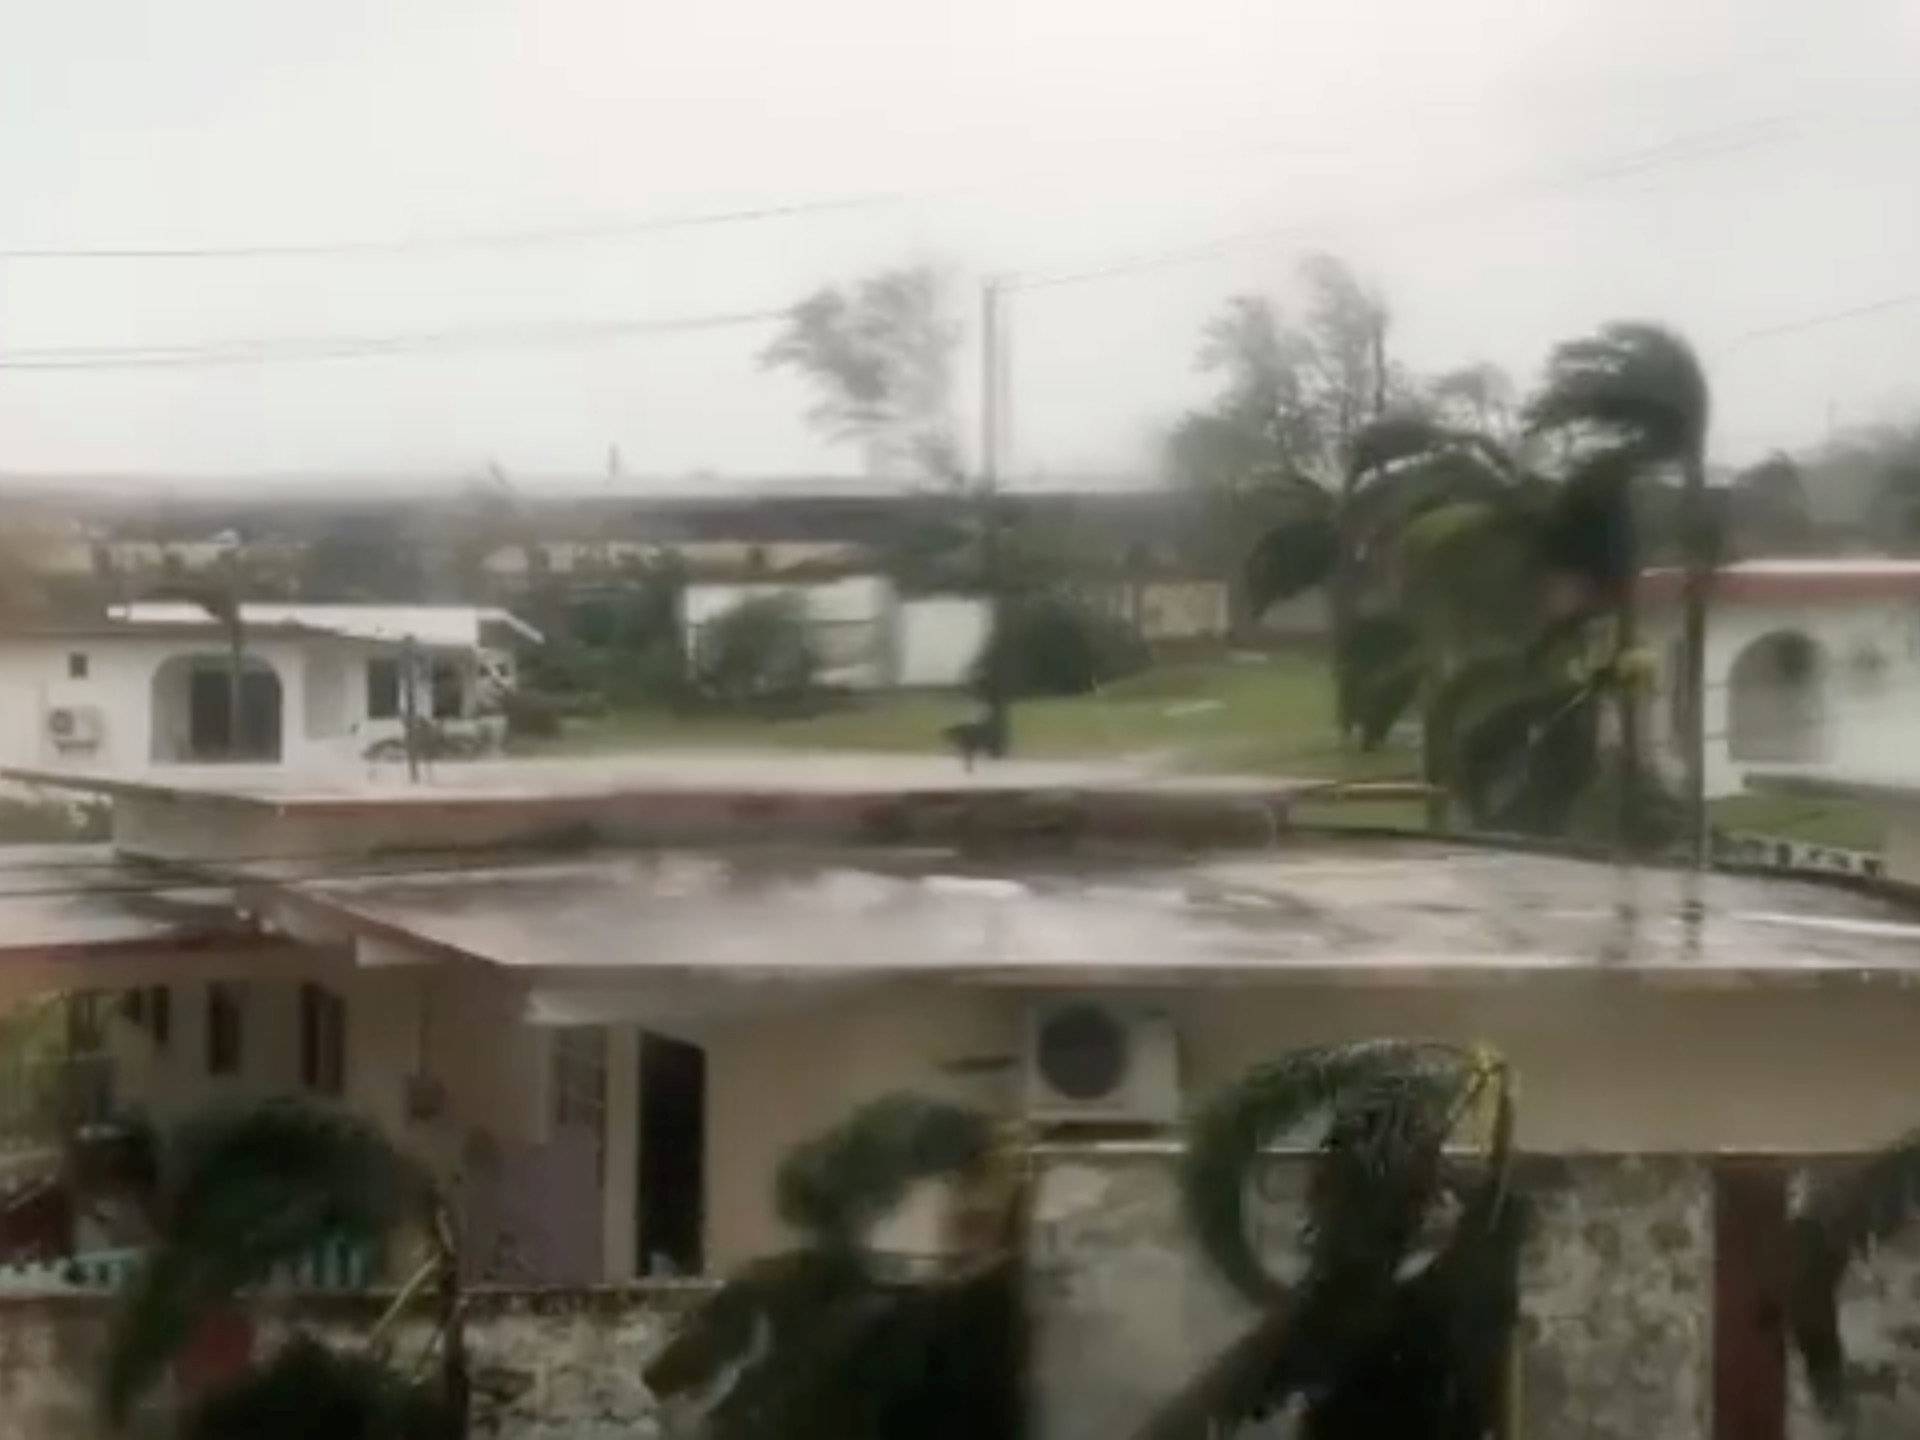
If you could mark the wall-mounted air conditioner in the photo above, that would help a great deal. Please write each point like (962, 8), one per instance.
(76, 727)
(1101, 1061)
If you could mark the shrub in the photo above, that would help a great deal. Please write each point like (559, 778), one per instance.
(1050, 644)
(757, 652)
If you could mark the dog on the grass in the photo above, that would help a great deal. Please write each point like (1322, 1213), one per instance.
(982, 735)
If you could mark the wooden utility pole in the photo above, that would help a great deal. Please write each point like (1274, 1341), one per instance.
(993, 680)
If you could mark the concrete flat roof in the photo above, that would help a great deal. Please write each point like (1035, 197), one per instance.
(1356, 910)
(671, 771)
(81, 897)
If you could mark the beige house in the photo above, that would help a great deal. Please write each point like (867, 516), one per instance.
(607, 1048)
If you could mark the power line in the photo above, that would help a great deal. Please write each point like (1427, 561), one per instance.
(346, 347)
(1705, 145)
(475, 240)
(1830, 317)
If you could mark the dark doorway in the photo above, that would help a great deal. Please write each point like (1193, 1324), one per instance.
(1749, 1300)
(671, 1217)
(209, 713)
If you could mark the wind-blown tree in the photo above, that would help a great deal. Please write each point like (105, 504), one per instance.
(1402, 1319)
(243, 1192)
(878, 356)
(1638, 391)
(1293, 397)
(824, 1342)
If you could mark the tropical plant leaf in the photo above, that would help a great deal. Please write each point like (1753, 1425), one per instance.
(1226, 1137)
(1843, 1219)
(1292, 557)
(835, 1186)
(1375, 1346)
(245, 1191)
(1589, 532)
(1382, 665)
(1523, 762)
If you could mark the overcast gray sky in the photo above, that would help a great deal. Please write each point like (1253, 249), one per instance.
(1509, 171)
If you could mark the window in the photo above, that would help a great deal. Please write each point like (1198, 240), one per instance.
(77, 665)
(449, 689)
(383, 688)
(226, 1006)
(323, 1040)
(150, 1008)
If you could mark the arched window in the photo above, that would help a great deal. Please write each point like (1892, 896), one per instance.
(1776, 700)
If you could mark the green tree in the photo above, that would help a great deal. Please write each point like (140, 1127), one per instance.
(366, 554)
(878, 356)
(1638, 392)
(759, 652)
(245, 1191)
(1293, 397)
(1376, 1342)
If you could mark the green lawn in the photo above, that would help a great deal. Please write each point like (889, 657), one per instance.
(1265, 715)
(1261, 715)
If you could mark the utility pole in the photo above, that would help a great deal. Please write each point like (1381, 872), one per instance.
(410, 707)
(999, 720)
(1693, 639)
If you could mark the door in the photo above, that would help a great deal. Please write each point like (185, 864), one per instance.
(671, 1213)
(1749, 1300)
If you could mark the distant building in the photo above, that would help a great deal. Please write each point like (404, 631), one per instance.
(1812, 665)
(152, 688)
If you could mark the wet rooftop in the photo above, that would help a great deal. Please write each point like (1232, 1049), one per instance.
(71, 897)
(1348, 909)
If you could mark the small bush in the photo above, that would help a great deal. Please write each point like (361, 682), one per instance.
(758, 652)
(1054, 645)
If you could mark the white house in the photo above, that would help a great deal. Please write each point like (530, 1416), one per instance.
(1812, 666)
(320, 686)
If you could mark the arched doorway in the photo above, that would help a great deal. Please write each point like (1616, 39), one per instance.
(193, 702)
(1776, 700)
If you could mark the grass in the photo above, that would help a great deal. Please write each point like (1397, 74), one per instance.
(1848, 825)
(1261, 715)
(1268, 715)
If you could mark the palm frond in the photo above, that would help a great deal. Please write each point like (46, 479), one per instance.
(1381, 667)
(1227, 1135)
(1840, 1221)
(836, 1185)
(1639, 383)
(245, 1191)
(1293, 556)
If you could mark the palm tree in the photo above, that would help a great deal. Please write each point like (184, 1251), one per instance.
(822, 1343)
(1374, 1340)
(244, 1192)
(1639, 390)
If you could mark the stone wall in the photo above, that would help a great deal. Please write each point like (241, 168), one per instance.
(1616, 1289)
(547, 1365)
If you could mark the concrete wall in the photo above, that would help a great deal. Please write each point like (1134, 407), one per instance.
(1868, 670)
(547, 1366)
(1615, 1280)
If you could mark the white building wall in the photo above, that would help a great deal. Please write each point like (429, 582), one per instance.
(940, 637)
(1869, 670)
